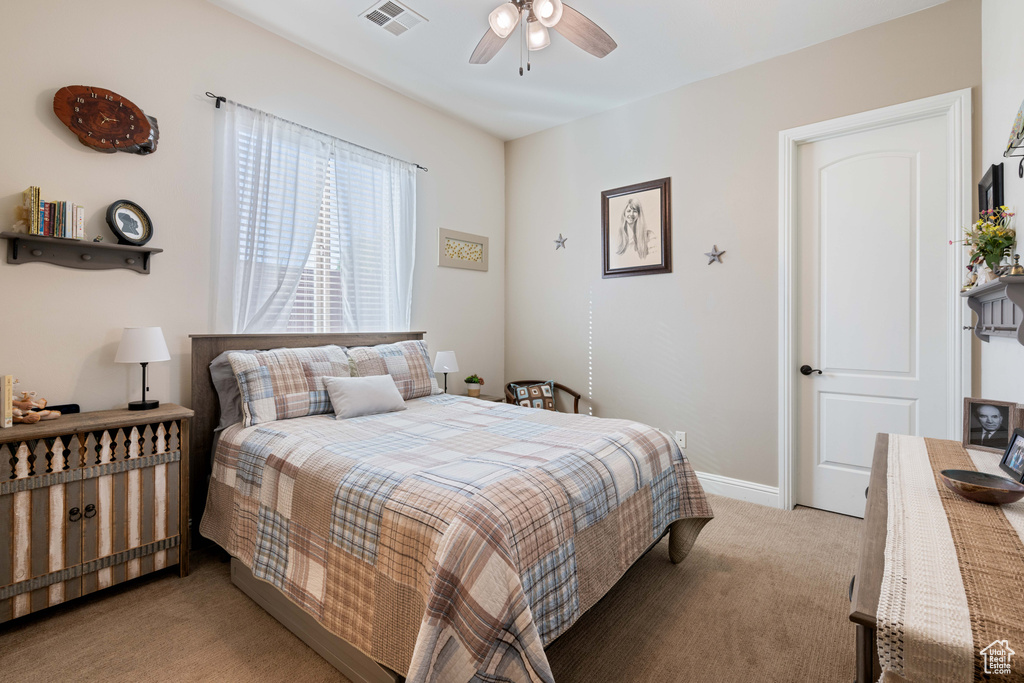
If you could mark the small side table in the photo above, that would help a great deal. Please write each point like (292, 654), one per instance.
(492, 399)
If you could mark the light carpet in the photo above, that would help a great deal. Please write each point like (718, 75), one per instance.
(762, 597)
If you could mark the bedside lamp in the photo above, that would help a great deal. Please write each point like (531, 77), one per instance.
(445, 362)
(143, 345)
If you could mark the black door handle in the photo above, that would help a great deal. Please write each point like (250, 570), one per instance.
(74, 514)
(808, 370)
(90, 511)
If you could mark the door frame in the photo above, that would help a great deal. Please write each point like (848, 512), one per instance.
(956, 108)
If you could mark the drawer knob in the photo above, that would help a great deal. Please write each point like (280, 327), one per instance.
(74, 514)
(90, 511)
(87, 257)
(37, 252)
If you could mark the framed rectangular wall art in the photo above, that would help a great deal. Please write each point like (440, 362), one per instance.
(636, 229)
(461, 250)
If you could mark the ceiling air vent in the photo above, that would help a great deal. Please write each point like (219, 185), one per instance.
(393, 17)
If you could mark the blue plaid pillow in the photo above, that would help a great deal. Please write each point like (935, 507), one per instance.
(407, 362)
(286, 383)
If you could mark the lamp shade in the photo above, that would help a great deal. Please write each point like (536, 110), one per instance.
(503, 19)
(142, 345)
(537, 36)
(445, 361)
(548, 12)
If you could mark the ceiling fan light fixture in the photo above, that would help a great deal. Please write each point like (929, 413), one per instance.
(504, 19)
(538, 37)
(548, 12)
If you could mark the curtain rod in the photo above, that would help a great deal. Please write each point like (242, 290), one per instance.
(218, 99)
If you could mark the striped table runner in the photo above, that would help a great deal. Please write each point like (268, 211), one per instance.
(952, 600)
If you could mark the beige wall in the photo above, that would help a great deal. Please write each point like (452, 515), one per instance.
(1002, 360)
(696, 350)
(61, 327)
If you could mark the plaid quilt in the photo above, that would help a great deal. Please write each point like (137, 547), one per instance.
(454, 540)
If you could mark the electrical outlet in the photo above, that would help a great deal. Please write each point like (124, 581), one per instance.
(681, 439)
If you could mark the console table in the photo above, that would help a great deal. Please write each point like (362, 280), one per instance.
(867, 583)
(937, 594)
(88, 501)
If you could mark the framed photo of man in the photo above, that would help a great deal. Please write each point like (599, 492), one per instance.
(988, 425)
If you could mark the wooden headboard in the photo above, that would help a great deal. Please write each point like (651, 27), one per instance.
(206, 347)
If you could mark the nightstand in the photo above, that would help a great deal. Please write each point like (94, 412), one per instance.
(90, 500)
(492, 399)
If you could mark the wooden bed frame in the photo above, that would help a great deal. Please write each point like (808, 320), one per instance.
(344, 656)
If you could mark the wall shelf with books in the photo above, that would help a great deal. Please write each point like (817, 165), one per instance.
(70, 253)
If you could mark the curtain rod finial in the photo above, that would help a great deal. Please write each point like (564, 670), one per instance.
(217, 98)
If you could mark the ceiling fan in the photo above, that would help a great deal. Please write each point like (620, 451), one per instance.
(536, 17)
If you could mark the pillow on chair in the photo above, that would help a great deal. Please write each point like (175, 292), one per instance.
(541, 395)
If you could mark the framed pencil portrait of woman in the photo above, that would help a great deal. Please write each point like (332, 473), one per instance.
(636, 229)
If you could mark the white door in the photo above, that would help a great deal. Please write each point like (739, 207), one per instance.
(872, 302)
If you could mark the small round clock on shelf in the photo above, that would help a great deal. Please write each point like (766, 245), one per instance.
(105, 121)
(129, 222)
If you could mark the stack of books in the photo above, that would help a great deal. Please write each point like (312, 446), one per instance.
(52, 219)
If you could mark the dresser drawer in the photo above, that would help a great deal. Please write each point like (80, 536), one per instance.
(84, 511)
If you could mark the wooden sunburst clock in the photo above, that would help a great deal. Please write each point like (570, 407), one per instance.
(105, 121)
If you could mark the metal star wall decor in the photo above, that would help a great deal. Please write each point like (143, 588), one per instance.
(560, 242)
(714, 254)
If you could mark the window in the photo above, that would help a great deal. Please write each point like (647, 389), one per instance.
(320, 300)
(319, 234)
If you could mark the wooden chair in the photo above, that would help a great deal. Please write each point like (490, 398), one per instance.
(510, 397)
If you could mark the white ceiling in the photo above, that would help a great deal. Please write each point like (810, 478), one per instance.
(663, 44)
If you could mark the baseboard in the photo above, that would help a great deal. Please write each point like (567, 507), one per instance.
(739, 489)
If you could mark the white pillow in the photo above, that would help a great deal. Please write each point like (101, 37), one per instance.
(355, 396)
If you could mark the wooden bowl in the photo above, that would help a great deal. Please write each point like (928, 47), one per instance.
(981, 487)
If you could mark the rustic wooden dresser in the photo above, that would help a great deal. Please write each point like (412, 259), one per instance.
(91, 500)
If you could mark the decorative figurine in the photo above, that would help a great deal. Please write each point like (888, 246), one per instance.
(29, 410)
(560, 242)
(1017, 268)
(972, 278)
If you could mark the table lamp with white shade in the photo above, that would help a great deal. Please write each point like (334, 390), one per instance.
(445, 362)
(143, 345)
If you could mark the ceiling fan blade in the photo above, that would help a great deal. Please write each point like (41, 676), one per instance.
(487, 47)
(584, 33)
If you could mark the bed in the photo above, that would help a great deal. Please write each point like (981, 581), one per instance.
(450, 541)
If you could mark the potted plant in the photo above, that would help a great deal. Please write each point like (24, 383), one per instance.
(990, 240)
(473, 384)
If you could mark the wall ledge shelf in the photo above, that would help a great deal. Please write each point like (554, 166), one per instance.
(23, 248)
(999, 305)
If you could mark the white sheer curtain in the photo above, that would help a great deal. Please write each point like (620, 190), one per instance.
(316, 234)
